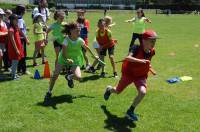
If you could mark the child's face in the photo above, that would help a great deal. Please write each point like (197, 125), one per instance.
(149, 43)
(7, 15)
(15, 22)
(75, 33)
(61, 17)
(101, 25)
(139, 13)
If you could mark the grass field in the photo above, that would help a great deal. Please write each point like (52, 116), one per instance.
(166, 107)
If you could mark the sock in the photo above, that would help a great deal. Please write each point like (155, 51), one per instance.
(132, 108)
(70, 76)
(49, 91)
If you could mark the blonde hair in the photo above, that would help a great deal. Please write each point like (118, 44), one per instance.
(108, 20)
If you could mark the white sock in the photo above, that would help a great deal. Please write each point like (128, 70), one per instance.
(70, 76)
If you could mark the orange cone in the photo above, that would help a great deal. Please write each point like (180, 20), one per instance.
(46, 70)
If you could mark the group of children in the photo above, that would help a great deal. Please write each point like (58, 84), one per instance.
(70, 42)
(13, 43)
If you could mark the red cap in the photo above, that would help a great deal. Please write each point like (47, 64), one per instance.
(149, 34)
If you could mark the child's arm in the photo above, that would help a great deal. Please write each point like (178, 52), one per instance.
(133, 59)
(131, 20)
(11, 36)
(24, 36)
(87, 48)
(3, 33)
(147, 20)
(35, 30)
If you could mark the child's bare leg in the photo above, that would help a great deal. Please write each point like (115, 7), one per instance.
(111, 57)
(36, 51)
(85, 57)
(43, 57)
(76, 73)
(57, 50)
(140, 96)
(54, 77)
(102, 58)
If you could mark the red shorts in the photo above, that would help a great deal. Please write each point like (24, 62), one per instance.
(125, 81)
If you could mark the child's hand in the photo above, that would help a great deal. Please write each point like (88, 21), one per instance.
(17, 52)
(28, 42)
(146, 61)
(70, 61)
(96, 57)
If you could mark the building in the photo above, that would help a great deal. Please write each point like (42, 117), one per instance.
(96, 3)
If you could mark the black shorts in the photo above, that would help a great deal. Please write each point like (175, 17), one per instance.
(110, 51)
(56, 44)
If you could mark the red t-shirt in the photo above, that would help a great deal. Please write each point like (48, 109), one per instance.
(137, 70)
(11, 51)
(105, 40)
(3, 29)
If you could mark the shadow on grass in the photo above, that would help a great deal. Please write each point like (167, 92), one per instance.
(53, 101)
(117, 124)
(29, 58)
(90, 78)
(5, 77)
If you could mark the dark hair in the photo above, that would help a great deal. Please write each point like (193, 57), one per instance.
(20, 9)
(68, 27)
(141, 10)
(57, 14)
(12, 18)
(81, 20)
(35, 19)
(101, 21)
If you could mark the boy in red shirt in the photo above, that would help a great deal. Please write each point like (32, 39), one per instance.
(135, 70)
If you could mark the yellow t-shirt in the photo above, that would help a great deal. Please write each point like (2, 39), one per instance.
(139, 25)
(39, 29)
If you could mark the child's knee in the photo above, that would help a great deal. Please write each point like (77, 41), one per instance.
(142, 91)
(111, 57)
(78, 77)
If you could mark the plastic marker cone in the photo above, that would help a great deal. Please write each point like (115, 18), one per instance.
(46, 70)
(37, 75)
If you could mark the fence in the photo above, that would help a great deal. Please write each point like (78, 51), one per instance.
(96, 4)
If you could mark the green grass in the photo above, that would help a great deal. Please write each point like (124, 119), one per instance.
(165, 108)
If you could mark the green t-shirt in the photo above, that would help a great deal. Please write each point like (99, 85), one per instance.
(139, 25)
(39, 29)
(73, 51)
(57, 32)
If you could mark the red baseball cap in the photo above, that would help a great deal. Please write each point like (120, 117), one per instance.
(149, 34)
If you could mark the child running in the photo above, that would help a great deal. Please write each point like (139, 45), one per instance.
(71, 55)
(56, 29)
(15, 49)
(139, 26)
(135, 70)
(105, 42)
(39, 35)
